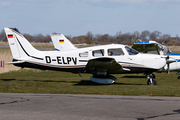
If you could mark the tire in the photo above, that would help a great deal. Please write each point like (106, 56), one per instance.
(154, 76)
(154, 82)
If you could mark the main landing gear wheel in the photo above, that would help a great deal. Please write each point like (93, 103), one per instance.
(179, 75)
(151, 81)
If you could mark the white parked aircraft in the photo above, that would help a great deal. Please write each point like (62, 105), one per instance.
(153, 47)
(100, 61)
(58, 39)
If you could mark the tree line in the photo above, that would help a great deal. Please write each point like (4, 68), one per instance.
(119, 38)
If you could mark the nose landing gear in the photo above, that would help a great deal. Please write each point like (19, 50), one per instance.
(179, 75)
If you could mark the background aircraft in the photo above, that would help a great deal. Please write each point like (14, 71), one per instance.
(154, 47)
(94, 60)
(58, 39)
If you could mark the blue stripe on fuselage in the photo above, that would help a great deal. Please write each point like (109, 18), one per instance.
(142, 42)
(172, 54)
(177, 60)
(57, 49)
(175, 54)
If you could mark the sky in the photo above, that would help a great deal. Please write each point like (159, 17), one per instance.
(77, 17)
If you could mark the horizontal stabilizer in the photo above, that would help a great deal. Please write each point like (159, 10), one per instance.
(17, 62)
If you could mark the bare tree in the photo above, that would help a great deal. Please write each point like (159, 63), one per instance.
(3, 36)
(137, 34)
(118, 34)
(89, 37)
(145, 35)
(155, 35)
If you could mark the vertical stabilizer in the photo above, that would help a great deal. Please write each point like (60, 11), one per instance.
(61, 43)
(19, 45)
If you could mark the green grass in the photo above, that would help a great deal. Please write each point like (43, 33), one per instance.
(2, 49)
(53, 82)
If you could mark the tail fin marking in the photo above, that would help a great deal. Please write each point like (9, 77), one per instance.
(19, 45)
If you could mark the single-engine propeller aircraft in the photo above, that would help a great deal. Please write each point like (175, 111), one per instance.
(100, 61)
(58, 39)
(153, 47)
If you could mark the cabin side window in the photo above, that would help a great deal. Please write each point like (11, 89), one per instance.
(115, 52)
(98, 53)
(131, 51)
(84, 54)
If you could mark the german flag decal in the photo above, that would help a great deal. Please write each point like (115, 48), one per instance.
(10, 36)
(61, 41)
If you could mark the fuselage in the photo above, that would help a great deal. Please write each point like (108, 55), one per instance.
(76, 60)
(174, 66)
(152, 47)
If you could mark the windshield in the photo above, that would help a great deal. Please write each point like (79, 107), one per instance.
(166, 51)
(131, 51)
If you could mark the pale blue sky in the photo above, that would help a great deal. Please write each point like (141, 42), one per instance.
(77, 17)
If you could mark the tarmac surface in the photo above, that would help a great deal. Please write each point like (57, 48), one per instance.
(87, 107)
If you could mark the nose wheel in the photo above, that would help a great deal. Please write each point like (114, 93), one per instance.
(151, 79)
(179, 75)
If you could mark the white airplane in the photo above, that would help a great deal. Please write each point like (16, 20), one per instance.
(58, 39)
(95, 60)
(153, 47)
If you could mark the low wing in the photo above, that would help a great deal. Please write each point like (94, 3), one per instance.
(103, 66)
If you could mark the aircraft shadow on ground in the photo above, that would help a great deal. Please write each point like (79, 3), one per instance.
(65, 81)
(7, 79)
(133, 77)
(80, 83)
(127, 84)
(55, 81)
(88, 83)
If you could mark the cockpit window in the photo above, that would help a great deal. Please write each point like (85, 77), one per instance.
(84, 54)
(165, 50)
(115, 52)
(146, 48)
(98, 53)
(131, 51)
